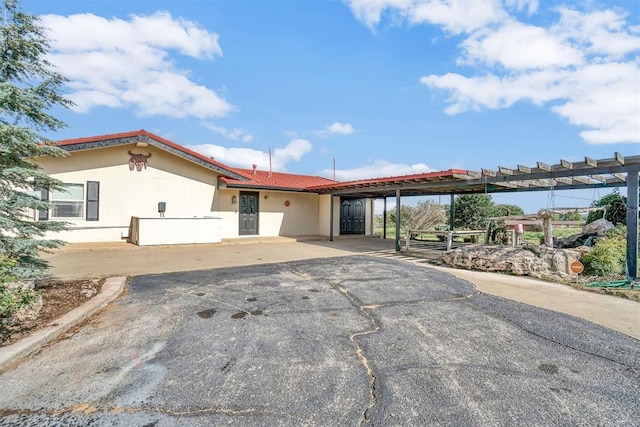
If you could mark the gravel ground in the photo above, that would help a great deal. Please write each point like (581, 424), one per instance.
(337, 341)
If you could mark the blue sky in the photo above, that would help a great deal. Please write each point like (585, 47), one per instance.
(385, 87)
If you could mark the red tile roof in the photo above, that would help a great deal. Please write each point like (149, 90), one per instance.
(276, 180)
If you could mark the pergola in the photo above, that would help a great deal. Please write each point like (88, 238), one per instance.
(619, 171)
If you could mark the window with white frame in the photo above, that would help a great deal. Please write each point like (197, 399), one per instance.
(68, 202)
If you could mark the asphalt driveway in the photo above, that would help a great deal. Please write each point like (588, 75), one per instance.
(334, 341)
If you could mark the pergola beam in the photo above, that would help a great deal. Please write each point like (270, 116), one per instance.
(565, 164)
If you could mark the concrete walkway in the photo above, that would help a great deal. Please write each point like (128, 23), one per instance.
(119, 259)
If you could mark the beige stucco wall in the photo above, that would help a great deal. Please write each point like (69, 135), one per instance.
(300, 218)
(369, 226)
(325, 215)
(188, 189)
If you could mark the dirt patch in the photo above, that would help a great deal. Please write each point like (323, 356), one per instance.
(58, 298)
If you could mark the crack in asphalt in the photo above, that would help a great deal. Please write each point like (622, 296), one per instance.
(553, 340)
(419, 301)
(359, 351)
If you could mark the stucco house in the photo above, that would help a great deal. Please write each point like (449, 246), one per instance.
(139, 187)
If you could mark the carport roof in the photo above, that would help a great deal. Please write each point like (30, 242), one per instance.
(565, 175)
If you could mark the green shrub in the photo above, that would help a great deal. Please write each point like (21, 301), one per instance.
(609, 255)
(12, 299)
(614, 208)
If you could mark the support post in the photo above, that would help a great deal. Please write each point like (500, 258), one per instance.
(632, 223)
(331, 218)
(547, 227)
(452, 211)
(384, 219)
(398, 220)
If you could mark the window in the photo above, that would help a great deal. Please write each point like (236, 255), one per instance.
(68, 202)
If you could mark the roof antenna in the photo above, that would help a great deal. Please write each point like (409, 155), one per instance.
(334, 168)
(269, 162)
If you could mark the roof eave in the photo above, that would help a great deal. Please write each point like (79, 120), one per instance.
(145, 138)
(265, 187)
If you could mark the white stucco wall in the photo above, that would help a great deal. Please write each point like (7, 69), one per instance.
(187, 189)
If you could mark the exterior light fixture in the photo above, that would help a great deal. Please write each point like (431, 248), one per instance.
(234, 199)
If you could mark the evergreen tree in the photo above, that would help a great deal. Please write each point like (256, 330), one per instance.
(472, 210)
(29, 89)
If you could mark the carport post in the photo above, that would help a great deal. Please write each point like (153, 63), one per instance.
(331, 218)
(632, 223)
(384, 219)
(451, 211)
(397, 220)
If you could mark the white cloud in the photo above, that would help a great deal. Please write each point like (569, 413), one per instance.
(455, 16)
(236, 134)
(370, 12)
(120, 63)
(584, 67)
(606, 99)
(504, 46)
(530, 5)
(246, 157)
(379, 168)
(336, 128)
(599, 33)
(602, 97)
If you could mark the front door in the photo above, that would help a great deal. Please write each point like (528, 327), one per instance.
(352, 218)
(248, 213)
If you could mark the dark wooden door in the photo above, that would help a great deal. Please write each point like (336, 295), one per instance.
(248, 213)
(352, 216)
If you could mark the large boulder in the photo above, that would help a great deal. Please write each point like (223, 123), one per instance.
(598, 227)
(535, 261)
